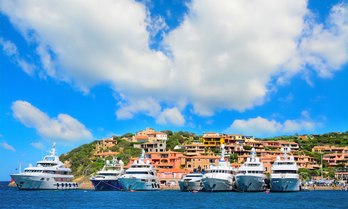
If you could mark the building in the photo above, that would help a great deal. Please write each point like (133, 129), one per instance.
(200, 161)
(103, 146)
(335, 159)
(168, 165)
(151, 140)
(330, 149)
(149, 135)
(156, 146)
(277, 145)
(213, 139)
(194, 149)
(341, 174)
(304, 161)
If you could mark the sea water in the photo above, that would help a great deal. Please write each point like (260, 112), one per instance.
(11, 197)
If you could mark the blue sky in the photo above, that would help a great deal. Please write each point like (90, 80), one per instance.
(73, 71)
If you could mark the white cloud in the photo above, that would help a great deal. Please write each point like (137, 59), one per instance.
(171, 116)
(149, 106)
(7, 146)
(224, 57)
(323, 48)
(37, 145)
(326, 47)
(10, 49)
(64, 127)
(260, 127)
(224, 54)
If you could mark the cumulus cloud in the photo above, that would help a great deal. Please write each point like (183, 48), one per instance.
(171, 116)
(7, 146)
(260, 126)
(37, 145)
(323, 47)
(224, 55)
(148, 106)
(64, 127)
(326, 46)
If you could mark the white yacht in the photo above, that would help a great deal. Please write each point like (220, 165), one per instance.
(107, 178)
(141, 176)
(219, 178)
(251, 175)
(49, 173)
(284, 176)
(192, 181)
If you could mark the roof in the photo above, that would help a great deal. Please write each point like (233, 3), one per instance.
(141, 137)
(205, 157)
(167, 152)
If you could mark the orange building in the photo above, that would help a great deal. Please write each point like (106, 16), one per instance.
(335, 159)
(200, 161)
(328, 149)
(194, 149)
(104, 144)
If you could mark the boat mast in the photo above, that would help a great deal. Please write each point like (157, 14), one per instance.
(321, 167)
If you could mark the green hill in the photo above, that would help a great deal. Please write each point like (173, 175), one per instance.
(84, 163)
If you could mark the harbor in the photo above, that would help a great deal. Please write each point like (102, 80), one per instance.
(259, 166)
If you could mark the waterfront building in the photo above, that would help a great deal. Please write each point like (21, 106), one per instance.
(203, 161)
(336, 159)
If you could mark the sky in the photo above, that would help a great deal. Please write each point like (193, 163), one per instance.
(74, 71)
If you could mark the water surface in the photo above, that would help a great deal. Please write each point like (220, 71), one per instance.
(13, 198)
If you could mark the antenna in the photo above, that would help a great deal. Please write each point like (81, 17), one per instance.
(222, 152)
(53, 150)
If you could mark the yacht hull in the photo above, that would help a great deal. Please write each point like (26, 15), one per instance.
(29, 182)
(129, 184)
(247, 183)
(217, 185)
(106, 185)
(187, 186)
(285, 185)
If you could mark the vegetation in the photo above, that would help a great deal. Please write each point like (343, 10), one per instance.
(311, 140)
(83, 161)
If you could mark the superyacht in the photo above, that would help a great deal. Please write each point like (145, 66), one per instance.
(107, 178)
(219, 178)
(251, 175)
(141, 176)
(284, 176)
(192, 181)
(49, 173)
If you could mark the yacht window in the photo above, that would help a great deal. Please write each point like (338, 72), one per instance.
(136, 172)
(285, 171)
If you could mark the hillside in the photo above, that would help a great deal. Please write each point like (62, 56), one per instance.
(84, 163)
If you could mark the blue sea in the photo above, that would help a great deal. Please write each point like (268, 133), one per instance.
(11, 197)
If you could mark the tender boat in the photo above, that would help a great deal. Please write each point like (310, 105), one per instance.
(141, 176)
(107, 178)
(251, 175)
(219, 178)
(192, 181)
(284, 176)
(49, 173)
